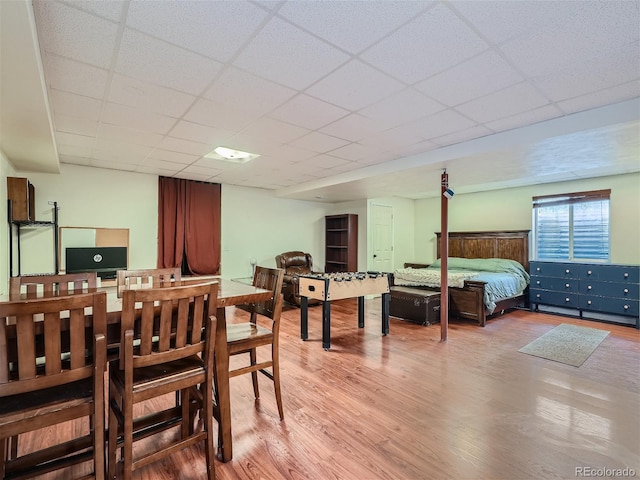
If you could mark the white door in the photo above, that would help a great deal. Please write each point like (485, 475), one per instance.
(382, 238)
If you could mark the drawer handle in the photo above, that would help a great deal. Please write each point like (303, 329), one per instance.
(589, 287)
(626, 290)
(537, 295)
(538, 282)
(567, 299)
(588, 302)
(566, 271)
(626, 275)
(566, 285)
(537, 269)
(626, 307)
(588, 272)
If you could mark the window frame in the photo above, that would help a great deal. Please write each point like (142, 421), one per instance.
(571, 199)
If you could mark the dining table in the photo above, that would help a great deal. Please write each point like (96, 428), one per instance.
(230, 293)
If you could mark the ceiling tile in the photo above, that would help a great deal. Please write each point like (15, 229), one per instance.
(354, 86)
(504, 103)
(111, 10)
(200, 133)
(353, 152)
(163, 164)
(353, 127)
(75, 160)
(170, 156)
(285, 54)
(210, 28)
(439, 124)
(612, 69)
(71, 33)
(308, 112)
(74, 140)
(135, 118)
(607, 96)
(83, 151)
(476, 77)
(73, 105)
(79, 126)
(327, 161)
(275, 130)
(336, 24)
(116, 133)
(289, 154)
(476, 131)
(146, 96)
(529, 117)
(434, 41)
(248, 92)
(184, 146)
(155, 61)
(319, 142)
(75, 77)
(402, 107)
(218, 115)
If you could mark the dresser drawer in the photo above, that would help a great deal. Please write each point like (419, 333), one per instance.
(555, 284)
(559, 299)
(560, 270)
(610, 289)
(611, 273)
(615, 306)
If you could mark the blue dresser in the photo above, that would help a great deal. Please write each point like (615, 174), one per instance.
(599, 288)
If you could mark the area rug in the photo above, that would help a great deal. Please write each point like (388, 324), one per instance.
(566, 343)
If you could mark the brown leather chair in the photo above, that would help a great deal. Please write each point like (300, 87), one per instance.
(294, 263)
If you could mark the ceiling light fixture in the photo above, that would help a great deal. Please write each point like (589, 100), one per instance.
(231, 155)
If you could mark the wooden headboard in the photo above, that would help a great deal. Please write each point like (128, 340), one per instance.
(511, 244)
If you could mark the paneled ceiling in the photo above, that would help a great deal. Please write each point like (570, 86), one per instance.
(343, 100)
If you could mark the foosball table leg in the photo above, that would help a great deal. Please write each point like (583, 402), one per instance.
(360, 312)
(385, 313)
(326, 325)
(304, 318)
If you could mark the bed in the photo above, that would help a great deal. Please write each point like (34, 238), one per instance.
(473, 297)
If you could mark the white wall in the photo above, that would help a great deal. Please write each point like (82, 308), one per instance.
(6, 170)
(257, 224)
(510, 209)
(95, 197)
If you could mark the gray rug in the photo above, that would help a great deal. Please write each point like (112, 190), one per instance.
(566, 343)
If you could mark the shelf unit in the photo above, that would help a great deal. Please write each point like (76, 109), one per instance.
(19, 225)
(341, 243)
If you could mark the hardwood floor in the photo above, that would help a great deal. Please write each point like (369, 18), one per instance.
(407, 406)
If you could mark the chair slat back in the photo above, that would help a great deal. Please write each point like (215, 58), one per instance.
(51, 285)
(35, 333)
(153, 278)
(171, 324)
(269, 279)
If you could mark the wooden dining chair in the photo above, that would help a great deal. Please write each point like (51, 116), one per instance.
(176, 334)
(51, 285)
(245, 338)
(51, 372)
(150, 277)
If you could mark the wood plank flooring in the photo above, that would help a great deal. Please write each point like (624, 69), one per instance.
(407, 406)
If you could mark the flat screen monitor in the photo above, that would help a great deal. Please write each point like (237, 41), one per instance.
(105, 261)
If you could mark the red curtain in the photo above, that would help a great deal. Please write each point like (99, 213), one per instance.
(189, 225)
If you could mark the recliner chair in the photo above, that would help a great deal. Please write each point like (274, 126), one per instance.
(294, 263)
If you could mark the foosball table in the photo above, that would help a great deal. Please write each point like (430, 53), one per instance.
(336, 286)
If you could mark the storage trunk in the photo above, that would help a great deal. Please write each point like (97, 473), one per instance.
(416, 305)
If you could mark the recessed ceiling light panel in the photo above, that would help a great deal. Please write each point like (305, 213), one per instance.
(230, 155)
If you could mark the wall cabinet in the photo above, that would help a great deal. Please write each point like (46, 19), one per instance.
(22, 194)
(21, 215)
(341, 243)
(607, 289)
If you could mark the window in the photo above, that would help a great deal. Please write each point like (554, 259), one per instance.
(572, 226)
